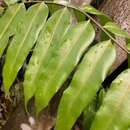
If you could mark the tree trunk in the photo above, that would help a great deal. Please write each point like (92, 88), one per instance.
(119, 11)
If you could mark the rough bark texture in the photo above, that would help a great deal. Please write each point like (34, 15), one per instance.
(119, 11)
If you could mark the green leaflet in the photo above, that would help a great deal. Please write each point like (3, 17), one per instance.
(9, 22)
(102, 17)
(61, 60)
(128, 45)
(90, 9)
(114, 114)
(101, 96)
(26, 35)
(86, 82)
(116, 30)
(90, 112)
(52, 34)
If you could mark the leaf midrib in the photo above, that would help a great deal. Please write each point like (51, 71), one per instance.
(90, 74)
(22, 43)
(66, 56)
(44, 54)
(10, 21)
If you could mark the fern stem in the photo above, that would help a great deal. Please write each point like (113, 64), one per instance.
(88, 16)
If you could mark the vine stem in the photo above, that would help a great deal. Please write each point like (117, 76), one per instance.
(88, 16)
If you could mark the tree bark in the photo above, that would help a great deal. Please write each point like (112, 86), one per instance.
(119, 11)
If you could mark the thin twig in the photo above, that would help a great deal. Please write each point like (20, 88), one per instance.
(91, 18)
